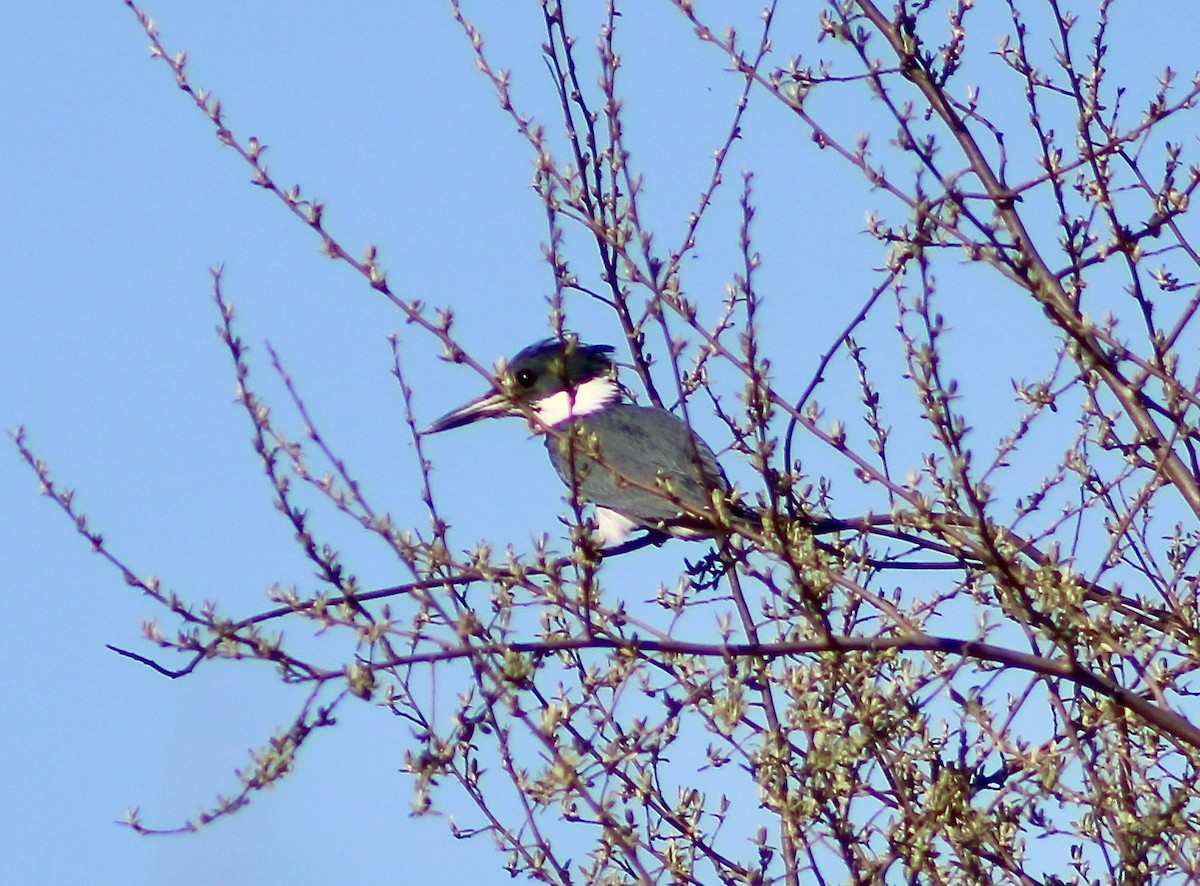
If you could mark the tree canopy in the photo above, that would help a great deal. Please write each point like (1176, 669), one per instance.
(957, 642)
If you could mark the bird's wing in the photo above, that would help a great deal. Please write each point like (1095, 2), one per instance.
(643, 444)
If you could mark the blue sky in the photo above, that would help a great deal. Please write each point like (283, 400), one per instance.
(120, 199)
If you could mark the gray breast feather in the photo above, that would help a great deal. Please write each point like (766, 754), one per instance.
(644, 444)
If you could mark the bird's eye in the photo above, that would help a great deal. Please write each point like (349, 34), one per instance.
(525, 378)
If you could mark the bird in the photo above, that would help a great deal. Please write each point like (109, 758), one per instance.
(642, 467)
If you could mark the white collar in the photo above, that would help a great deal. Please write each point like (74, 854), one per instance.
(588, 398)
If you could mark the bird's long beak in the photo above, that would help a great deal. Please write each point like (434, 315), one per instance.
(493, 405)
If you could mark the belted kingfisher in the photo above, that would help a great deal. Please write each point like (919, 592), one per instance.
(641, 466)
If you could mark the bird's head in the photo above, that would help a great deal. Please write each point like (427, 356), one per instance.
(551, 381)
